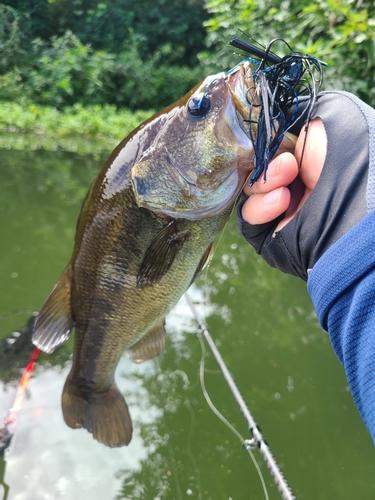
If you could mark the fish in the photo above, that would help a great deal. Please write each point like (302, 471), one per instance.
(145, 231)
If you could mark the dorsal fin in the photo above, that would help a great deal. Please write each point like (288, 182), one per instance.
(160, 255)
(150, 346)
(54, 321)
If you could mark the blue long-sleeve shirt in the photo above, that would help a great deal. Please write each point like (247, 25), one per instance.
(342, 288)
(337, 234)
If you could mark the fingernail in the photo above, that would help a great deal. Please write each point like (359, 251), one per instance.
(276, 170)
(272, 198)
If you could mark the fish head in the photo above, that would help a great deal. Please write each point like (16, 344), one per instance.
(200, 158)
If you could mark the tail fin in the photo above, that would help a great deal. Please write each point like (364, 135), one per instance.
(104, 414)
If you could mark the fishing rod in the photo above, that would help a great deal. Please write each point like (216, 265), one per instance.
(7, 427)
(257, 440)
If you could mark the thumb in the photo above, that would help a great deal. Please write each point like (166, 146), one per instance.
(262, 208)
(269, 200)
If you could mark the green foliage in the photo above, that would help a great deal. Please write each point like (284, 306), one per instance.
(93, 121)
(340, 32)
(128, 53)
(10, 85)
(143, 55)
(10, 37)
(64, 72)
(48, 128)
(105, 24)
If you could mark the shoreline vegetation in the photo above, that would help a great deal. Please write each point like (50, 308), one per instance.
(76, 70)
(93, 129)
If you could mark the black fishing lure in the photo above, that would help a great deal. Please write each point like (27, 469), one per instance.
(279, 82)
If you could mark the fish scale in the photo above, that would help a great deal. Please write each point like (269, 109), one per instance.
(128, 300)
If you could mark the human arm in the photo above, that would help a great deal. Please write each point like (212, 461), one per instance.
(328, 239)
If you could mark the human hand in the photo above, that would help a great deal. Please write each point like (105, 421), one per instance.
(269, 200)
(291, 227)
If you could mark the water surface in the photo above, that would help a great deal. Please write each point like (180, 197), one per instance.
(265, 327)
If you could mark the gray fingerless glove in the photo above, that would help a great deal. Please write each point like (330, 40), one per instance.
(338, 200)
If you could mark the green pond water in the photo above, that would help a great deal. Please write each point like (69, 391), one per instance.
(265, 327)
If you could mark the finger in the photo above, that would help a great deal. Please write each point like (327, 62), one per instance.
(313, 151)
(281, 172)
(262, 208)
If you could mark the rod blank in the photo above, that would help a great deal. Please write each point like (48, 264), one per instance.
(274, 469)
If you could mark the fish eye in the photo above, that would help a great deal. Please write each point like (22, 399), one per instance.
(199, 106)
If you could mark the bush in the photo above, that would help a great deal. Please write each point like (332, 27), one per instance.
(64, 72)
(90, 121)
(143, 55)
(340, 32)
(105, 24)
(11, 38)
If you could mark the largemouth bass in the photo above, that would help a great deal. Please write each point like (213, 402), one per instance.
(146, 229)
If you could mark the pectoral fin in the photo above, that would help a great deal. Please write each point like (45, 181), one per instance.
(160, 255)
(150, 346)
(54, 321)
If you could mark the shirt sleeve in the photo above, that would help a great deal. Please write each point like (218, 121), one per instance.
(342, 288)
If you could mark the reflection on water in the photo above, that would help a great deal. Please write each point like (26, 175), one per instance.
(71, 464)
(45, 460)
(265, 327)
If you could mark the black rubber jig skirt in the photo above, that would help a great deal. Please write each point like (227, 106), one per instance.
(279, 82)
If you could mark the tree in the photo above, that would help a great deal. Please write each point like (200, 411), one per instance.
(340, 32)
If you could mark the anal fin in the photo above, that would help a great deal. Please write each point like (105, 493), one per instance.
(54, 321)
(150, 346)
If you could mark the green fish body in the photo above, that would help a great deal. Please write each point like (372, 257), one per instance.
(145, 231)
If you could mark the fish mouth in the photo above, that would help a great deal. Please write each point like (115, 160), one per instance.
(241, 87)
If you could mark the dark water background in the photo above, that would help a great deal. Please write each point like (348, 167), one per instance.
(265, 327)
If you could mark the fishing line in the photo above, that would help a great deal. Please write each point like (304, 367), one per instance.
(17, 311)
(188, 445)
(258, 440)
(223, 419)
(217, 242)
